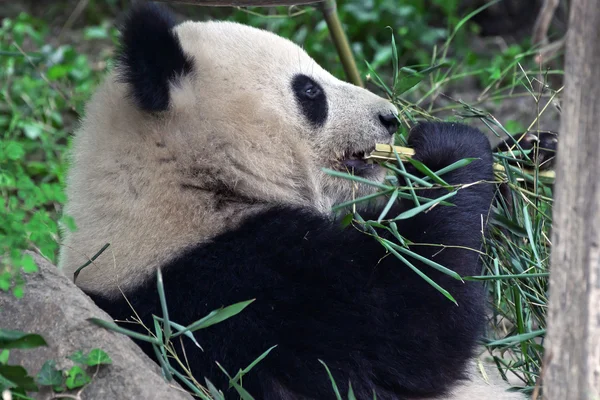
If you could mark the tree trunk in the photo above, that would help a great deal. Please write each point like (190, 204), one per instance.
(573, 340)
(242, 3)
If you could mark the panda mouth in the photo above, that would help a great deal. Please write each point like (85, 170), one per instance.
(356, 163)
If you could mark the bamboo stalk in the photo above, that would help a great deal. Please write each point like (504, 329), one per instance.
(341, 42)
(385, 152)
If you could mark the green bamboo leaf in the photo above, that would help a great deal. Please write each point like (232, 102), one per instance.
(425, 260)
(355, 178)
(378, 80)
(388, 206)
(243, 372)
(181, 328)
(119, 329)
(338, 396)
(419, 272)
(362, 199)
(416, 210)
(529, 230)
(456, 165)
(351, 395)
(215, 317)
(163, 304)
(214, 392)
(427, 172)
(512, 340)
(395, 70)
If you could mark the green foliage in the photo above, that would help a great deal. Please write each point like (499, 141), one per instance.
(42, 91)
(17, 379)
(366, 23)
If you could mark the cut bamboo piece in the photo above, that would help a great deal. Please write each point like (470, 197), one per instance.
(385, 152)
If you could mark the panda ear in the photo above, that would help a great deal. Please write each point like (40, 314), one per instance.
(151, 56)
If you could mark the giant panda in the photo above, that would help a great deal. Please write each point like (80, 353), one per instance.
(203, 154)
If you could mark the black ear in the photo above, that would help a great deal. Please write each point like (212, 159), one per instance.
(151, 55)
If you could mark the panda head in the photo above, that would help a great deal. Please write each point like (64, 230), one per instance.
(251, 108)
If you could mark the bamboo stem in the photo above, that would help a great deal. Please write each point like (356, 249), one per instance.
(341, 42)
(385, 152)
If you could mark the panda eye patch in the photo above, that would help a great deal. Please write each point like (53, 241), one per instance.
(311, 98)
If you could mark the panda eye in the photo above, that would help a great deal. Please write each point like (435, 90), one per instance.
(311, 91)
(306, 88)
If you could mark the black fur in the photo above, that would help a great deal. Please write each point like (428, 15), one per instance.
(323, 292)
(543, 145)
(151, 56)
(312, 99)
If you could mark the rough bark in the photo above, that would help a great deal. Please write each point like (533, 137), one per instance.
(573, 342)
(57, 309)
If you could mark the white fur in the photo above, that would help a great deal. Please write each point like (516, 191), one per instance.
(235, 121)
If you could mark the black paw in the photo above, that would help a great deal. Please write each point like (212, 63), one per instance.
(439, 144)
(542, 146)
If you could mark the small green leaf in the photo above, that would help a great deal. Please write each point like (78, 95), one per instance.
(32, 130)
(18, 375)
(79, 357)
(20, 340)
(49, 375)
(4, 354)
(28, 264)
(77, 377)
(347, 220)
(95, 32)
(18, 291)
(14, 151)
(98, 357)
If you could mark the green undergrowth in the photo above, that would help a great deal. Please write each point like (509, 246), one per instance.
(43, 88)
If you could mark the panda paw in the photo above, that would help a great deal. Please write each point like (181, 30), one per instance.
(440, 144)
(542, 146)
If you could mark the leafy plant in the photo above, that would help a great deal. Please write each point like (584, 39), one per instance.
(42, 92)
(17, 380)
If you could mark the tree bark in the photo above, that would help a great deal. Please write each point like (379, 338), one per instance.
(573, 340)
(242, 3)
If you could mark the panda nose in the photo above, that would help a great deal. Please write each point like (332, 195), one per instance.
(390, 122)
